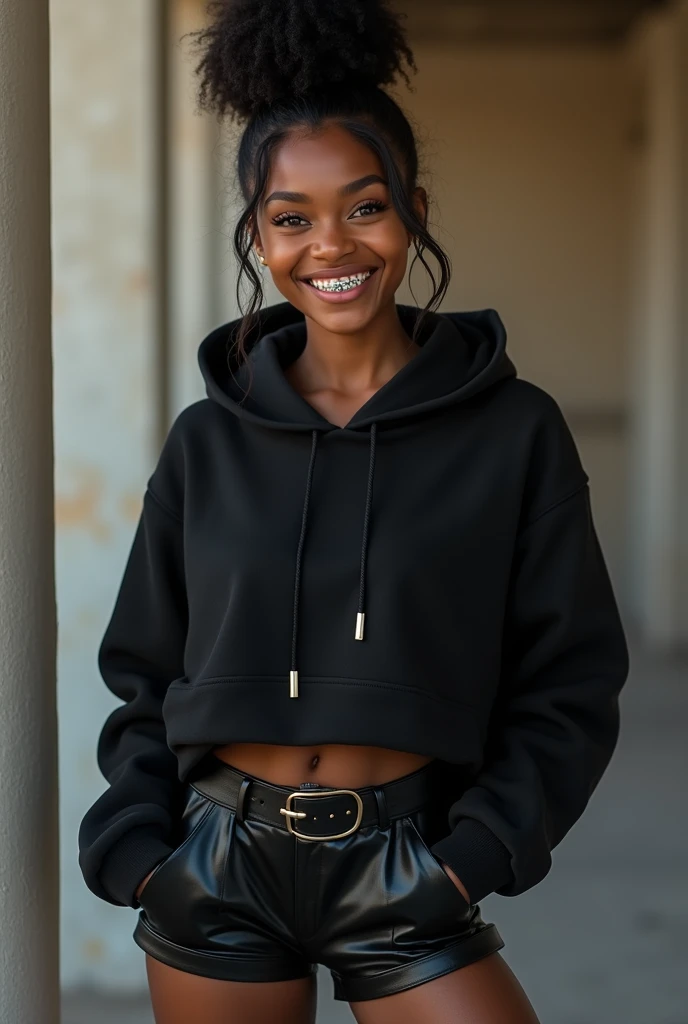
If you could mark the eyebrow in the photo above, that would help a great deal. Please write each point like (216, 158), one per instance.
(345, 190)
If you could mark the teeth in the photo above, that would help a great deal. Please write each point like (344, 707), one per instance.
(340, 284)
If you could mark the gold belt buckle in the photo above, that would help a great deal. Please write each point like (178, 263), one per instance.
(290, 814)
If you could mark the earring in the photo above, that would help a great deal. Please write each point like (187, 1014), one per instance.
(262, 260)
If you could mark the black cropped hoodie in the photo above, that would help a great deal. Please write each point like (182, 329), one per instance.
(427, 578)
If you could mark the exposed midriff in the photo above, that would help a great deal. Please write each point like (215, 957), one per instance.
(343, 765)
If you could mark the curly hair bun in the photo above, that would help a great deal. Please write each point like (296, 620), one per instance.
(258, 52)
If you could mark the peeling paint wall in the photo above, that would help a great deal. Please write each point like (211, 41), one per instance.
(106, 395)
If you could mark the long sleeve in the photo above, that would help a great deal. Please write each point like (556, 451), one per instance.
(554, 722)
(128, 830)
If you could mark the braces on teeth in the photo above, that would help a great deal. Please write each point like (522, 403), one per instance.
(340, 284)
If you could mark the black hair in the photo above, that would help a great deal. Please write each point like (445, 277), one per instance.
(281, 65)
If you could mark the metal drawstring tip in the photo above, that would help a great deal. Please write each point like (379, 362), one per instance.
(360, 621)
(293, 683)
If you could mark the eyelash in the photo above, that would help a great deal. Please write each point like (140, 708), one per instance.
(282, 219)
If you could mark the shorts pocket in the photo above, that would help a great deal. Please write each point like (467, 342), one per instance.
(428, 910)
(195, 810)
(433, 865)
(185, 886)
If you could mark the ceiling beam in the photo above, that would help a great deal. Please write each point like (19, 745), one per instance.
(526, 21)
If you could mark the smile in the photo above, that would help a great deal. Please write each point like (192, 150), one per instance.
(339, 284)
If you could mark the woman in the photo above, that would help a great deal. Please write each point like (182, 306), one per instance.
(366, 641)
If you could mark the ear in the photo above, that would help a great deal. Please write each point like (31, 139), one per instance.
(420, 206)
(257, 244)
(254, 233)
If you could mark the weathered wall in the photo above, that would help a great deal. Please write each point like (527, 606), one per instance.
(106, 390)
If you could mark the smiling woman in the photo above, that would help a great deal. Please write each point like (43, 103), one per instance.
(346, 238)
(337, 248)
(366, 641)
(327, 65)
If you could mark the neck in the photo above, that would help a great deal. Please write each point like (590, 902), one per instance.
(351, 363)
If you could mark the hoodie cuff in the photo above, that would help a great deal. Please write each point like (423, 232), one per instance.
(128, 862)
(478, 858)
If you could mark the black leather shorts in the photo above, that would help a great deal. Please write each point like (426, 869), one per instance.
(242, 898)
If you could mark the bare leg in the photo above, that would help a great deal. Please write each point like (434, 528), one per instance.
(486, 992)
(179, 998)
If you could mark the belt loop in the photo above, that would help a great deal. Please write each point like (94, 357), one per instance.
(245, 783)
(382, 812)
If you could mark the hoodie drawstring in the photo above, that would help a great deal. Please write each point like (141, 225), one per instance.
(360, 616)
(293, 674)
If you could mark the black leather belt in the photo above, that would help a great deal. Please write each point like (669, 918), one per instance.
(315, 812)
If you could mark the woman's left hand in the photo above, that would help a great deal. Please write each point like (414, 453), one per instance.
(456, 880)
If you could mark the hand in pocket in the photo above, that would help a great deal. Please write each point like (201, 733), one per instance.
(143, 884)
(456, 880)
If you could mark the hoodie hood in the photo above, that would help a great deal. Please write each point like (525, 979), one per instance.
(461, 354)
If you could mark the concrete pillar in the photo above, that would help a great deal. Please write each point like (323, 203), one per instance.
(660, 365)
(29, 903)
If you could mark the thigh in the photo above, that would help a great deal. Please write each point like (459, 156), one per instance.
(485, 992)
(179, 997)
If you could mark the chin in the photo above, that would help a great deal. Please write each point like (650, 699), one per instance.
(342, 321)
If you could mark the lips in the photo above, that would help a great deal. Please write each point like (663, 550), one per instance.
(335, 286)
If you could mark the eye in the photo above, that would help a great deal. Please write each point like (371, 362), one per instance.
(289, 220)
(370, 206)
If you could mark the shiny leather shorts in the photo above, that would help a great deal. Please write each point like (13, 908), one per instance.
(241, 899)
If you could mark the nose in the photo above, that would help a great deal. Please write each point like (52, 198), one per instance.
(332, 241)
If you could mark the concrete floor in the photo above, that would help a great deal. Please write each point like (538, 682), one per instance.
(604, 938)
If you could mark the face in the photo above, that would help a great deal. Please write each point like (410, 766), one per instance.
(332, 239)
